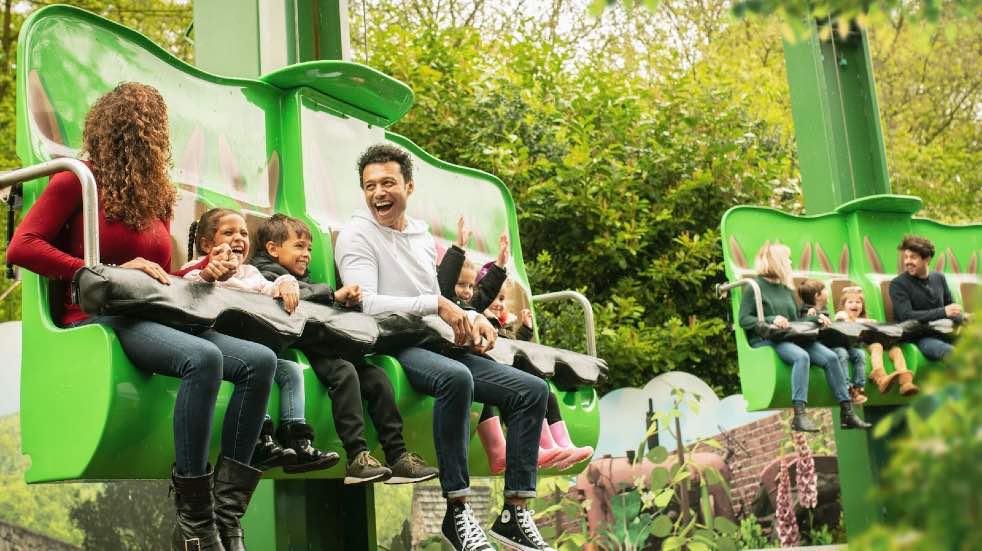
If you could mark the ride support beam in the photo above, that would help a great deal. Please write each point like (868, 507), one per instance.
(250, 38)
(836, 118)
(842, 159)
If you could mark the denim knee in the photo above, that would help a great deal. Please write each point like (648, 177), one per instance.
(538, 392)
(456, 378)
(204, 365)
(262, 360)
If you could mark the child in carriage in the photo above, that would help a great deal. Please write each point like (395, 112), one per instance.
(852, 307)
(223, 233)
(482, 290)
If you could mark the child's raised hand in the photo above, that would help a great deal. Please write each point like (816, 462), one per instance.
(289, 291)
(811, 312)
(221, 264)
(463, 232)
(527, 318)
(349, 295)
(824, 321)
(503, 250)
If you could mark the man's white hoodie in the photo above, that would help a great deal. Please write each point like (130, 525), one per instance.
(395, 269)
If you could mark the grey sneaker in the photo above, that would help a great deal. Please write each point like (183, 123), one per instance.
(365, 468)
(409, 469)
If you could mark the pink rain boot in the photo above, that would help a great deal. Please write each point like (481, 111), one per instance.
(577, 454)
(493, 441)
(549, 452)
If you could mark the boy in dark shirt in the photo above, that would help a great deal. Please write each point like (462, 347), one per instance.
(283, 246)
(918, 294)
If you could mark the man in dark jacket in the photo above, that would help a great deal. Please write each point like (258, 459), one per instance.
(918, 294)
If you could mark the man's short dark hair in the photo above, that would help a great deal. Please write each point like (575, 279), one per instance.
(809, 289)
(385, 153)
(277, 228)
(922, 246)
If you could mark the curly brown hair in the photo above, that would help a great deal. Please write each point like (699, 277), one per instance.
(127, 138)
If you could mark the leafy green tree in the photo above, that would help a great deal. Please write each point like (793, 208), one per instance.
(126, 515)
(43, 508)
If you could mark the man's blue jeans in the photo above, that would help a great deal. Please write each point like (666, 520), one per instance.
(201, 361)
(458, 380)
(799, 358)
(934, 349)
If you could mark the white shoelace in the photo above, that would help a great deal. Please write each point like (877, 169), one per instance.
(527, 524)
(469, 530)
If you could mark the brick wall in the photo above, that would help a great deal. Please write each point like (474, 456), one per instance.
(755, 445)
(16, 538)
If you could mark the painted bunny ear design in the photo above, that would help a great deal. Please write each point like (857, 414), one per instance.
(823, 258)
(271, 175)
(737, 254)
(939, 265)
(806, 258)
(844, 260)
(872, 256)
(955, 267)
(973, 263)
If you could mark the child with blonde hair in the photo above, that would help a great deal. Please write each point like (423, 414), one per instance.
(814, 301)
(852, 307)
(484, 290)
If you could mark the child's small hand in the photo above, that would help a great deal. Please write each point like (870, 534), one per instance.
(349, 295)
(289, 291)
(503, 250)
(811, 312)
(824, 321)
(527, 318)
(463, 232)
(841, 315)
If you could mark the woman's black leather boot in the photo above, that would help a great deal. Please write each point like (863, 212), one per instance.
(195, 529)
(234, 484)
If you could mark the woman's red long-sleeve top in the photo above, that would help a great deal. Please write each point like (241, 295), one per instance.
(49, 241)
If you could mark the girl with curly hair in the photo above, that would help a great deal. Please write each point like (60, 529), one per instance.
(127, 142)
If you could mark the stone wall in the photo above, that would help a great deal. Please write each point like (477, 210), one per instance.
(16, 538)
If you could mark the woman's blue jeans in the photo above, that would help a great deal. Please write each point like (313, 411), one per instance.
(799, 358)
(457, 381)
(202, 361)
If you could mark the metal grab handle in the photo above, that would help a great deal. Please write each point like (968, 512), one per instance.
(90, 197)
(723, 289)
(591, 336)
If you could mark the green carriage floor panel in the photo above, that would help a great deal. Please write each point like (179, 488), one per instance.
(354, 84)
(857, 245)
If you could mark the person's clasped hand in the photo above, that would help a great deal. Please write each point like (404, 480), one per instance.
(289, 293)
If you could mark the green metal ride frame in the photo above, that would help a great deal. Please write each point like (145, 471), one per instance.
(284, 142)
(850, 236)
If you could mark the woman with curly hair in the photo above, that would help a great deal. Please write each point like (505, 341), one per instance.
(127, 142)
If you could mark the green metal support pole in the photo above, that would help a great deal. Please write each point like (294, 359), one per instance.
(842, 158)
(250, 38)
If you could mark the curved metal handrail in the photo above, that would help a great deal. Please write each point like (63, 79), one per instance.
(591, 332)
(90, 196)
(723, 289)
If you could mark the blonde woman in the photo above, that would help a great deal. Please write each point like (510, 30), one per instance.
(773, 267)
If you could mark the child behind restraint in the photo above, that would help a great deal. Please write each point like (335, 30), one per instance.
(222, 233)
(482, 291)
(284, 245)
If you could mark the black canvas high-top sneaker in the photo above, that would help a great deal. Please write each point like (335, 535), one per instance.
(462, 531)
(515, 529)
